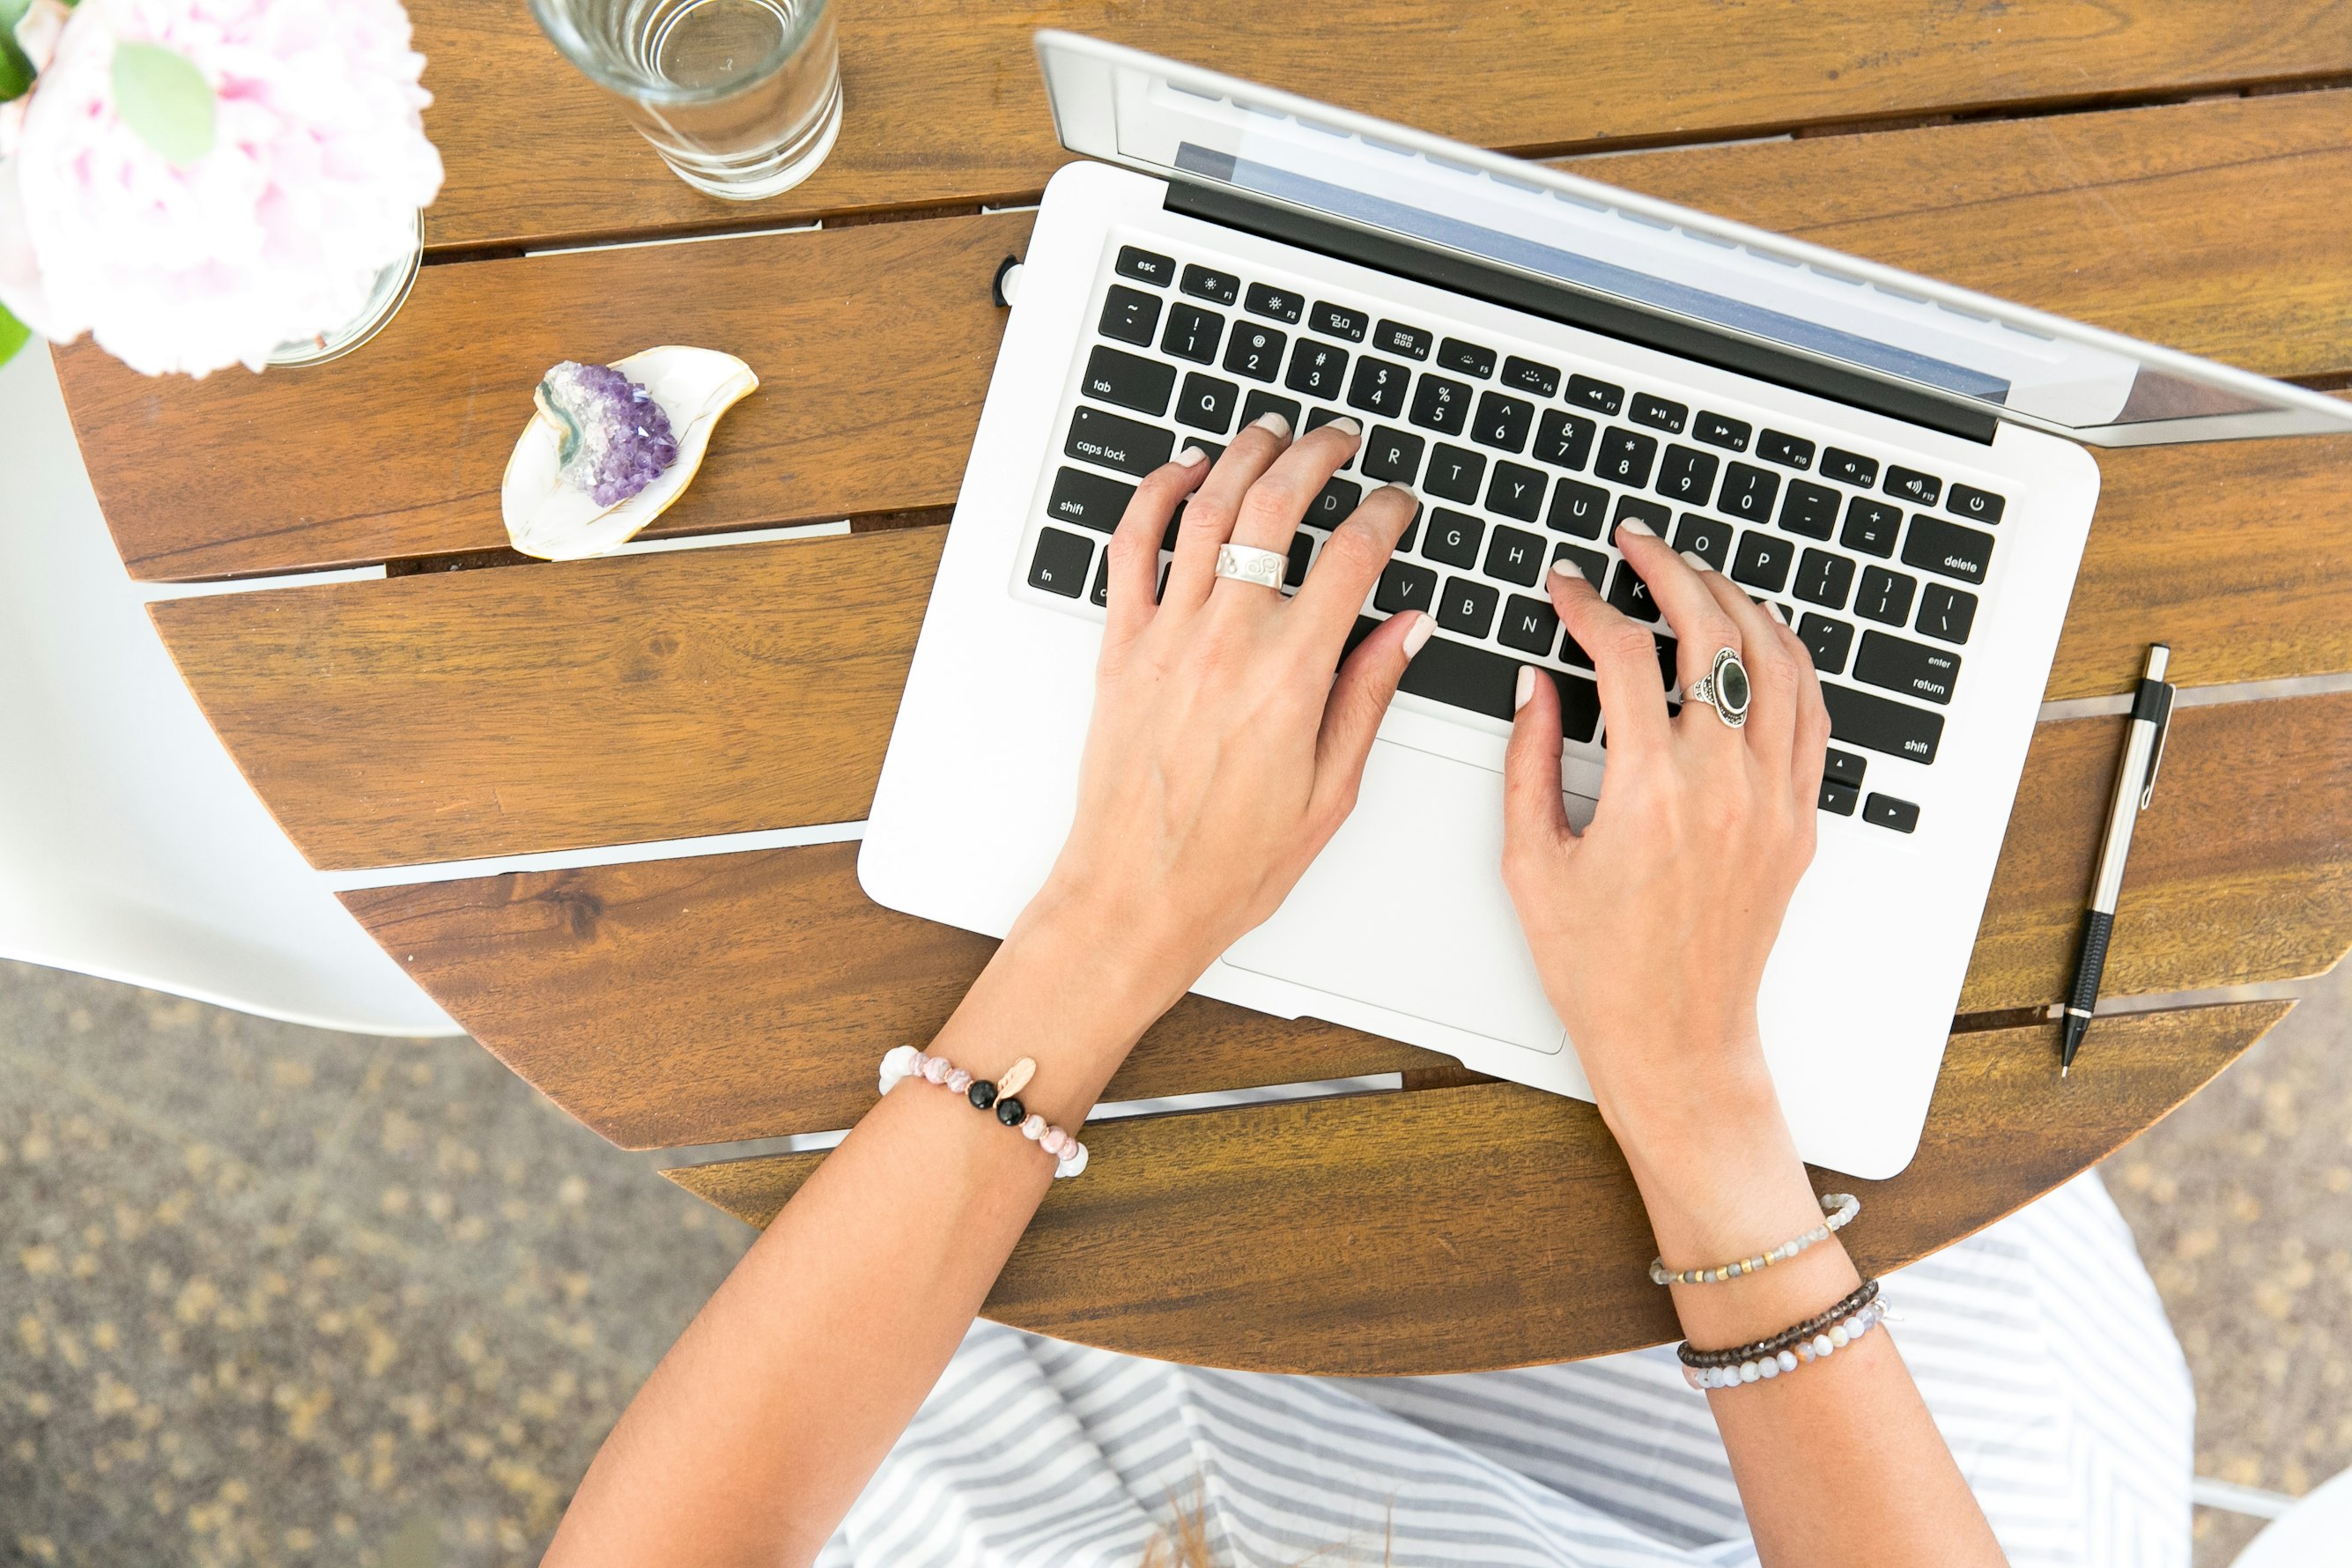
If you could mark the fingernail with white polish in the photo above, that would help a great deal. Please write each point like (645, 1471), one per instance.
(1635, 525)
(1695, 562)
(1191, 456)
(1418, 637)
(1345, 426)
(1270, 420)
(1564, 567)
(1526, 688)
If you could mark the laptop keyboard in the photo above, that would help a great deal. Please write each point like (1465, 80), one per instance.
(1521, 462)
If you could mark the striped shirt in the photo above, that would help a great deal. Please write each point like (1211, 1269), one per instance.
(2038, 1344)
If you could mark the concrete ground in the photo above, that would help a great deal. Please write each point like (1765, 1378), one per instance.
(273, 1296)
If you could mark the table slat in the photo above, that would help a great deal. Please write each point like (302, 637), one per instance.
(1463, 1229)
(718, 997)
(945, 105)
(2208, 225)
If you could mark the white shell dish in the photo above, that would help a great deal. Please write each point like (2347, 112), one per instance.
(550, 519)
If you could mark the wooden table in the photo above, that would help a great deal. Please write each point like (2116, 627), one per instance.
(2156, 167)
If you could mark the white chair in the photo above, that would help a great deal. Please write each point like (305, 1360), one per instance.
(130, 846)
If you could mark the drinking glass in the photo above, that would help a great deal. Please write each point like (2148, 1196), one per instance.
(741, 98)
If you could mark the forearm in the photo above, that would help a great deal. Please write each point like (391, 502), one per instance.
(762, 1424)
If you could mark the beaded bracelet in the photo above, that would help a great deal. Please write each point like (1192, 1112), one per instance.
(1763, 1368)
(905, 1062)
(1863, 1295)
(1842, 1207)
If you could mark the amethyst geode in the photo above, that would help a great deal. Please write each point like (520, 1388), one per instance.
(614, 438)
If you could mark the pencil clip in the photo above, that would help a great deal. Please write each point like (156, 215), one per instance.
(2155, 754)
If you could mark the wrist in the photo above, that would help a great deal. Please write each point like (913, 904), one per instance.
(1141, 966)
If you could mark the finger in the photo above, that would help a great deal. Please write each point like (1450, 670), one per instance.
(1772, 674)
(1811, 747)
(1209, 515)
(1358, 701)
(1271, 511)
(1700, 623)
(1134, 569)
(1624, 661)
(1328, 603)
(1534, 817)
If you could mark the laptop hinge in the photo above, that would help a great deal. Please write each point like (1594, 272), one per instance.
(1596, 313)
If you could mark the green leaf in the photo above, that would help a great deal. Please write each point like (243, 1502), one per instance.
(15, 71)
(161, 95)
(13, 333)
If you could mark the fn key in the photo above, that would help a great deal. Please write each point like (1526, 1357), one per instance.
(1060, 564)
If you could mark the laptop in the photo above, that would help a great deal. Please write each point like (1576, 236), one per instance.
(1895, 465)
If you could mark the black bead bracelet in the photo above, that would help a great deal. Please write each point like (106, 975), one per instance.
(1861, 1297)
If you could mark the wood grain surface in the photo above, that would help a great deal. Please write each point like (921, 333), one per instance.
(2210, 225)
(749, 995)
(944, 103)
(1462, 1229)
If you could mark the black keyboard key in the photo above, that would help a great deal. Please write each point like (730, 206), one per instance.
(1762, 561)
(1625, 457)
(1871, 526)
(1099, 595)
(1631, 595)
(1530, 625)
(1912, 669)
(1946, 612)
(1441, 404)
(1061, 562)
(1810, 509)
(1578, 507)
(1258, 403)
(1468, 358)
(1192, 332)
(1885, 596)
(1379, 387)
(1454, 537)
(1824, 579)
(1396, 338)
(1709, 538)
(1597, 396)
(1579, 705)
(1789, 451)
(1516, 557)
(1130, 315)
(1339, 322)
(1934, 545)
(1882, 724)
(1302, 555)
(1527, 376)
(1686, 476)
(1829, 641)
(1275, 304)
(1454, 474)
(1206, 403)
(1254, 350)
(1469, 606)
(1843, 766)
(1316, 369)
(1658, 413)
(1838, 796)
(1649, 513)
(1748, 492)
(1117, 442)
(1592, 562)
(1516, 491)
(1392, 455)
(1502, 422)
(1208, 283)
(1563, 440)
(1114, 375)
(1090, 500)
(1318, 418)
(1333, 503)
(1461, 676)
(1976, 505)
(1404, 586)
(1722, 431)
(1145, 266)
(1918, 488)
(1850, 467)
(1886, 811)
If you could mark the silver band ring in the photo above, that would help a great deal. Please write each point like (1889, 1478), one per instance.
(1724, 687)
(1248, 563)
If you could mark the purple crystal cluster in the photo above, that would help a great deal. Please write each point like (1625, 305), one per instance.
(615, 439)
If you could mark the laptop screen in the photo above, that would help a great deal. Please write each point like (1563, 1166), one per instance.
(1962, 347)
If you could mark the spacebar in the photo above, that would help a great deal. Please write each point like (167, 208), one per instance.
(1466, 676)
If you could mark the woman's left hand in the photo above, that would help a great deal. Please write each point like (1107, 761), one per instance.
(1223, 754)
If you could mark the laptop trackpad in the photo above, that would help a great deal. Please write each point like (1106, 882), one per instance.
(1406, 910)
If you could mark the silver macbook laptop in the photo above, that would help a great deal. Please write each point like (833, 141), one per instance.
(1892, 463)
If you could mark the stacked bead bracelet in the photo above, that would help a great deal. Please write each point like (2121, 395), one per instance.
(1001, 1096)
(1815, 1337)
(1841, 1207)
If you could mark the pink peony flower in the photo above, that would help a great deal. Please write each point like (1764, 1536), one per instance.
(318, 164)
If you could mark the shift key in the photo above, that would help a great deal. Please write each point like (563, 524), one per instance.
(1123, 444)
(1915, 670)
(1897, 729)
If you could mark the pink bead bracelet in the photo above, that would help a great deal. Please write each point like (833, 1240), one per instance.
(1001, 1097)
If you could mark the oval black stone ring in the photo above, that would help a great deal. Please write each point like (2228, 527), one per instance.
(1724, 687)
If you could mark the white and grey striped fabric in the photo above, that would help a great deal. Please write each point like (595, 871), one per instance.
(2038, 1344)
